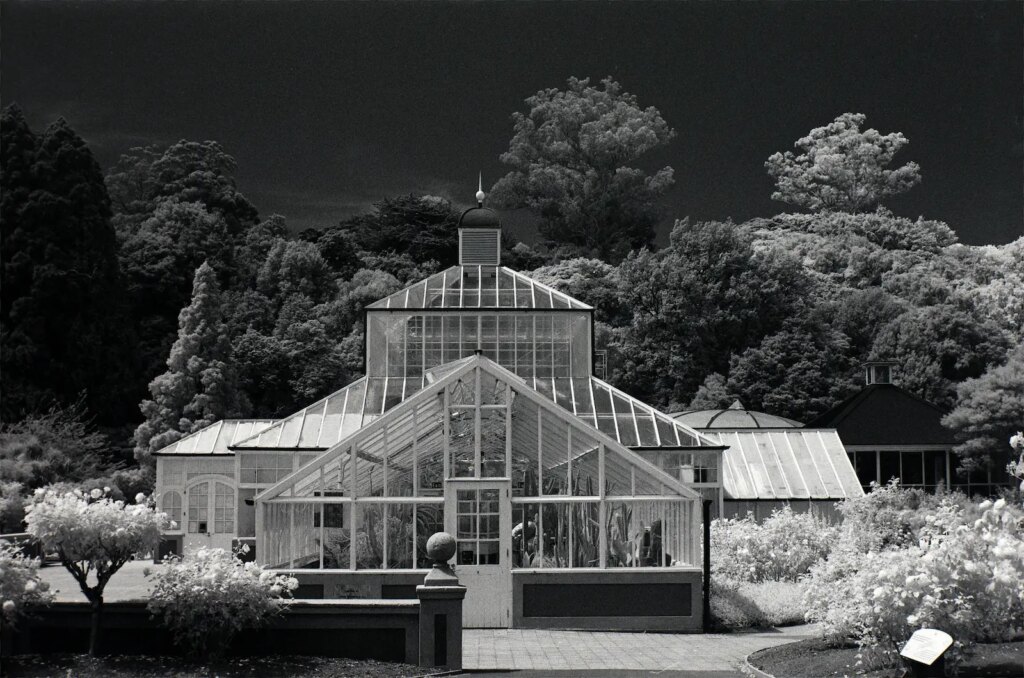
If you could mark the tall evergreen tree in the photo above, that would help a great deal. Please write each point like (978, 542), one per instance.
(60, 272)
(199, 386)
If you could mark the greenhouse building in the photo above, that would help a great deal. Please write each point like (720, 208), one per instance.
(572, 504)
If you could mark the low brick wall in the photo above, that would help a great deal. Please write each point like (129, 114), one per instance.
(609, 600)
(387, 630)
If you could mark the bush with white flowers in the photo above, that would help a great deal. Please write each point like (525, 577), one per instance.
(208, 596)
(782, 548)
(94, 536)
(20, 586)
(964, 575)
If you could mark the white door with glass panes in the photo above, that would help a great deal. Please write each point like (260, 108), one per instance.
(478, 514)
(209, 515)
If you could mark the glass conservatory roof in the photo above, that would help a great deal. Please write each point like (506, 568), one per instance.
(216, 438)
(478, 287)
(600, 405)
(370, 461)
(786, 464)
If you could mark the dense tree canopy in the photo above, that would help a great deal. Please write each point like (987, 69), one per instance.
(571, 157)
(707, 295)
(842, 168)
(989, 409)
(59, 301)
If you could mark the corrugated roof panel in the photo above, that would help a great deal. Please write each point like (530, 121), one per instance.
(786, 464)
(215, 438)
(310, 433)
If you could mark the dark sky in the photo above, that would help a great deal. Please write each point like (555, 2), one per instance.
(330, 106)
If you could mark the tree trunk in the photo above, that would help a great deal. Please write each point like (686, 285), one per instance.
(94, 632)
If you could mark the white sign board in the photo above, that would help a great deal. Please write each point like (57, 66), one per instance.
(926, 645)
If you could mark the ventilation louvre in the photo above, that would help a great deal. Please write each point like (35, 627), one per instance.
(479, 246)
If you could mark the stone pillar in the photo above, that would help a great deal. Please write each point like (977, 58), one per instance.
(441, 597)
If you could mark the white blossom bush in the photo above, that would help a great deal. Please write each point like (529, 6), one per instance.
(208, 596)
(782, 548)
(20, 586)
(964, 576)
(93, 536)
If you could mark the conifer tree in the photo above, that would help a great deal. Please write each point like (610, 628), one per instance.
(60, 272)
(199, 386)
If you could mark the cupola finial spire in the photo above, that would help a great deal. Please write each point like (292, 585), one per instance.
(480, 195)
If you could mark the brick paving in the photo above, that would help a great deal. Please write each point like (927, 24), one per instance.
(666, 653)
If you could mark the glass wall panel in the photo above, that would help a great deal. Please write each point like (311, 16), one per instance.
(648, 533)
(570, 534)
(525, 542)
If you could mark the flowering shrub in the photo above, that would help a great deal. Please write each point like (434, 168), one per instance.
(782, 548)
(740, 605)
(206, 597)
(964, 575)
(20, 586)
(93, 534)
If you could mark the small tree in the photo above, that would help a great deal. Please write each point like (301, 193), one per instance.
(842, 169)
(20, 587)
(206, 597)
(92, 534)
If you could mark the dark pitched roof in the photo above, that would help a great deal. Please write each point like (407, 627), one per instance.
(885, 414)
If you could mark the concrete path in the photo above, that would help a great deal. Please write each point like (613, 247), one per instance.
(128, 583)
(663, 654)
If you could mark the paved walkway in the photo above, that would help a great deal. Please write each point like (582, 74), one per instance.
(648, 653)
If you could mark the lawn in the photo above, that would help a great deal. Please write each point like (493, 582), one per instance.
(812, 658)
(83, 666)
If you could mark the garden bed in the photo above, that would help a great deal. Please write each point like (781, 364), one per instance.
(812, 658)
(83, 666)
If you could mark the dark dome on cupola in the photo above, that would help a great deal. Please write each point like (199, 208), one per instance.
(479, 217)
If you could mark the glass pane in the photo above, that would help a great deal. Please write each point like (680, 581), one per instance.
(524, 535)
(370, 536)
(466, 553)
(488, 552)
(400, 522)
(429, 520)
(460, 444)
(492, 443)
(336, 535)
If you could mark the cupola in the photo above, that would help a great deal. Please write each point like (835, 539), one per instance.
(479, 234)
(879, 372)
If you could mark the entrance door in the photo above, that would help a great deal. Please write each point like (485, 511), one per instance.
(210, 515)
(478, 514)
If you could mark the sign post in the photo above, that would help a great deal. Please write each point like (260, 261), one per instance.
(925, 653)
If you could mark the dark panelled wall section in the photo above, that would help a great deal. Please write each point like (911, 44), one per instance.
(607, 600)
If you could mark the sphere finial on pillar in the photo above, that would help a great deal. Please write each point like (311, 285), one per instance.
(440, 549)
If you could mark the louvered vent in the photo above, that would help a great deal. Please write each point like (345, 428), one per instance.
(479, 246)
